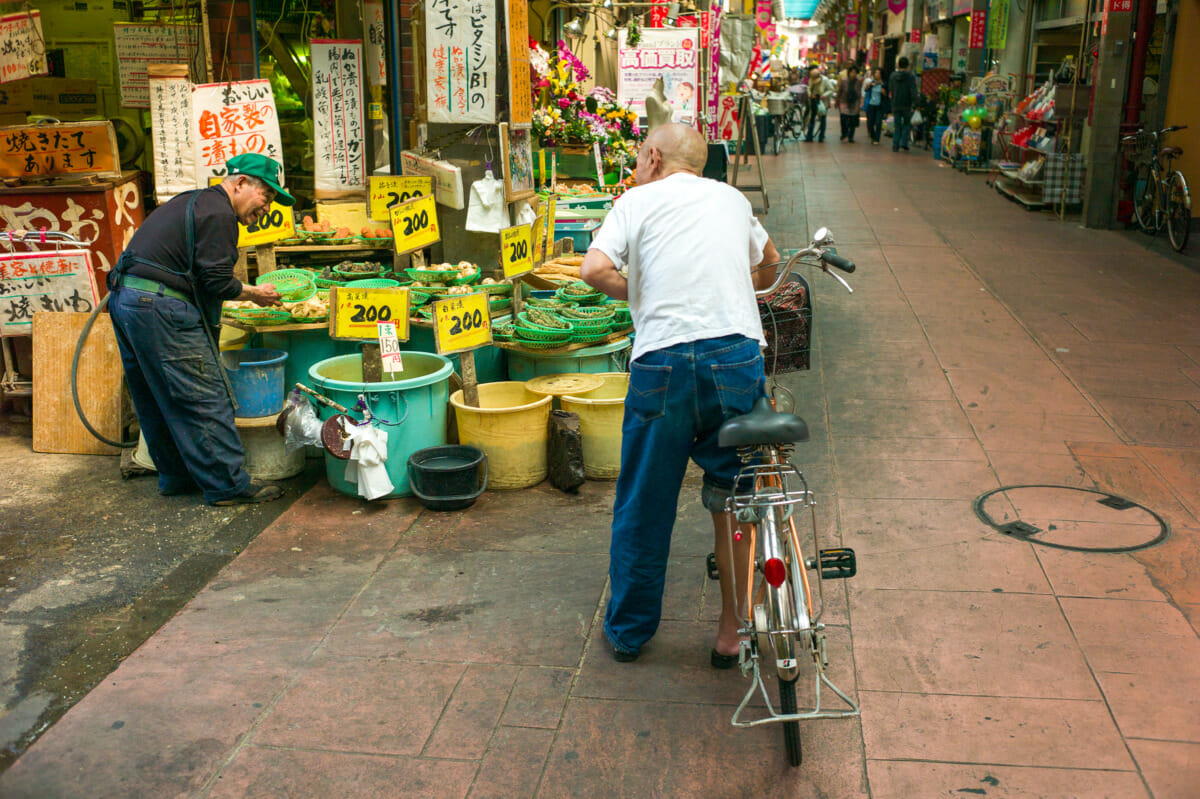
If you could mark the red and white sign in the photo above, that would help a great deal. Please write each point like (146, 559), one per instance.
(672, 54)
(915, 38)
(22, 48)
(658, 14)
(35, 281)
(229, 119)
(977, 39)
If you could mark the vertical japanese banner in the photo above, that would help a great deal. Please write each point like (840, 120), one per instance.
(22, 48)
(520, 95)
(170, 125)
(339, 167)
(977, 39)
(229, 119)
(658, 14)
(852, 26)
(460, 60)
(672, 54)
(997, 32)
(376, 41)
(714, 73)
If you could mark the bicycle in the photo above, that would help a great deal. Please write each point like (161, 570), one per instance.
(1162, 196)
(777, 616)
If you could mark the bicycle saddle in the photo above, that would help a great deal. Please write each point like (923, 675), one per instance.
(1173, 151)
(763, 425)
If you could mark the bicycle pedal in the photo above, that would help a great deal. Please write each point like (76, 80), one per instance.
(837, 564)
(711, 563)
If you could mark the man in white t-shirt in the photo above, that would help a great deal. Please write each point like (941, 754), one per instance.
(690, 245)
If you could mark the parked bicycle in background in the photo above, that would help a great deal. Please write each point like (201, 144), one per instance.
(1161, 195)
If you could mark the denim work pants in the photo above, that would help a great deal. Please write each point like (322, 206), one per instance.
(874, 121)
(180, 399)
(678, 399)
(903, 119)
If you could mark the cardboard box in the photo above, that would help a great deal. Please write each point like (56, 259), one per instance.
(68, 99)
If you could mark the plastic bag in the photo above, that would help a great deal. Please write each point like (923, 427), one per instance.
(487, 212)
(917, 119)
(821, 109)
(302, 428)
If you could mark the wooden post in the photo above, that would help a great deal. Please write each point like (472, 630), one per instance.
(518, 302)
(372, 363)
(240, 269)
(265, 255)
(470, 381)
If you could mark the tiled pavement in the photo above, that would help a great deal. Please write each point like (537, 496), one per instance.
(378, 650)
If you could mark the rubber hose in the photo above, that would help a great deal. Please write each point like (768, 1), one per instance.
(87, 328)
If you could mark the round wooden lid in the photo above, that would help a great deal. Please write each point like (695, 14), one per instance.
(560, 385)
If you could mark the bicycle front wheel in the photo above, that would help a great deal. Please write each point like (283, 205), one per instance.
(791, 729)
(1144, 202)
(1179, 211)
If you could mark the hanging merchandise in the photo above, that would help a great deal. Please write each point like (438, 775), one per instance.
(486, 211)
(368, 461)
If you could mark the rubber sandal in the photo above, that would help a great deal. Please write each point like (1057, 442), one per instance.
(255, 493)
(620, 655)
(723, 662)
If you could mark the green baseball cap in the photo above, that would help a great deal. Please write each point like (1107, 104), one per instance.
(264, 168)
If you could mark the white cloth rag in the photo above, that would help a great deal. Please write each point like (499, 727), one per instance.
(487, 212)
(368, 461)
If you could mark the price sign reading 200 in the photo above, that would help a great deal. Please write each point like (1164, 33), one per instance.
(461, 323)
(415, 224)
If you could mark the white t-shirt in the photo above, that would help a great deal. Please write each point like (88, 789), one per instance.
(689, 243)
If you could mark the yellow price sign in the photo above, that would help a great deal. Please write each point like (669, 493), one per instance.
(415, 224)
(391, 190)
(539, 239)
(461, 323)
(355, 314)
(278, 223)
(515, 251)
(551, 213)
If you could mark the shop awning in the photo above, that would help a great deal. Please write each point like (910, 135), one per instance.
(799, 9)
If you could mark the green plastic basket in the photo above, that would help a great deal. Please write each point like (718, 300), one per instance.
(586, 313)
(502, 304)
(524, 321)
(325, 283)
(384, 241)
(474, 277)
(357, 274)
(496, 288)
(373, 283)
(259, 317)
(521, 331)
(293, 285)
(530, 344)
(583, 299)
(432, 275)
(310, 320)
(546, 302)
(588, 337)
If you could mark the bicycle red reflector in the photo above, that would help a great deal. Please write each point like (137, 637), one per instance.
(775, 572)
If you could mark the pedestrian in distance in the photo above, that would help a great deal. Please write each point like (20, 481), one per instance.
(820, 94)
(690, 245)
(874, 97)
(849, 102)
(902, 87)
(167, 289)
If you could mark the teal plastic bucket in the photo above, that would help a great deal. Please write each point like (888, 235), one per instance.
(412, 410)
(257, 379)
(612, 357)
(305, 348)
(489, 361)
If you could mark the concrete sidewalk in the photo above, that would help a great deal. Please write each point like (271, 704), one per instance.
(382, 650)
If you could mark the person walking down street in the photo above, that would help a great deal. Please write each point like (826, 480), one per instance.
(690, 245)
(820, 93)
(849, 102)
(167, 289)
(902, 87)
(874, 94)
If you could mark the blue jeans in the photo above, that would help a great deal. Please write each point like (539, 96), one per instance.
(181, 403)
(678, 399)
(816, 118)
(903, 119)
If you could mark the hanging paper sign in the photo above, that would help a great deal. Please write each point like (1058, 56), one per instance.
(672, 54)
(338, 117)
(897, 6)
(139, 46)
(41, 151)
(658, 14)
(713, 89)
(355, 314)
(22, 48)
(49, 281)
(915, 38)
(170, 129)
(977, 38)
(461, 323)
(997, 32)
(229, 119)
(415, 224)
(390, 190)
(375, 33)
(447, 178)
(460, 60)
(389, 348)
(516, 257)
(851, 25)
(520, 96)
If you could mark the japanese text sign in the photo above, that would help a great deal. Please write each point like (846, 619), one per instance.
(997, 31)
(389, 348)
(516, 245)
(977, 39)
(520, 97)
(460, 60)
(672, 54)
(138, 46)
(229, 119)
(415, 224)
(39, 151)
(376, 37)
(713, 89)
(390, 190)
(338, 117)
(22, 48)
(170, 124)
(447, 178)
(915, 38)
(355, 314)
(461, 323)
(49, 281)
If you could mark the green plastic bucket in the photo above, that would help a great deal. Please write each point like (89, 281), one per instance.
(612, 357)
(305, 348)
(415, 406)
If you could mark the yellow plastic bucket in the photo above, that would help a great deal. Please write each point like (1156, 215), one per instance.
(601, 412)
(511, 426)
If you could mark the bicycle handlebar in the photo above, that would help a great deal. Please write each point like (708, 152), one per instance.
(833, 259)
(825, 258)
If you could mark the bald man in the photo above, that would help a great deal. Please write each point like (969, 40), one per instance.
(690, 245)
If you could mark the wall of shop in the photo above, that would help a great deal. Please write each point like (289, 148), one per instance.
(1182, 105)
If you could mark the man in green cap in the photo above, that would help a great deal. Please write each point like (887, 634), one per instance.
(167, 289)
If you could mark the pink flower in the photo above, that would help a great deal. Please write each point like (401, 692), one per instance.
(564, 103)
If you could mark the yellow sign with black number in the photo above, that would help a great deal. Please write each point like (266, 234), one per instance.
(461, 323)
(355, 314)
(415, 224)
(516, 255)
(278, 223)
(539, 239)
(391, 190)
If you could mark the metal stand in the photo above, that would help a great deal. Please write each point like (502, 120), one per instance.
(746, 117)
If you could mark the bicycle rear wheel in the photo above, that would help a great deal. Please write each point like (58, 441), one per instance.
(1144, 202)
(791, 729)
(1179, 212)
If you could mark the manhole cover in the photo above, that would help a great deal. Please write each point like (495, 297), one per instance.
(1065, 517)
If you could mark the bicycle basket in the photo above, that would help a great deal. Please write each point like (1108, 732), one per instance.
(787, 326)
